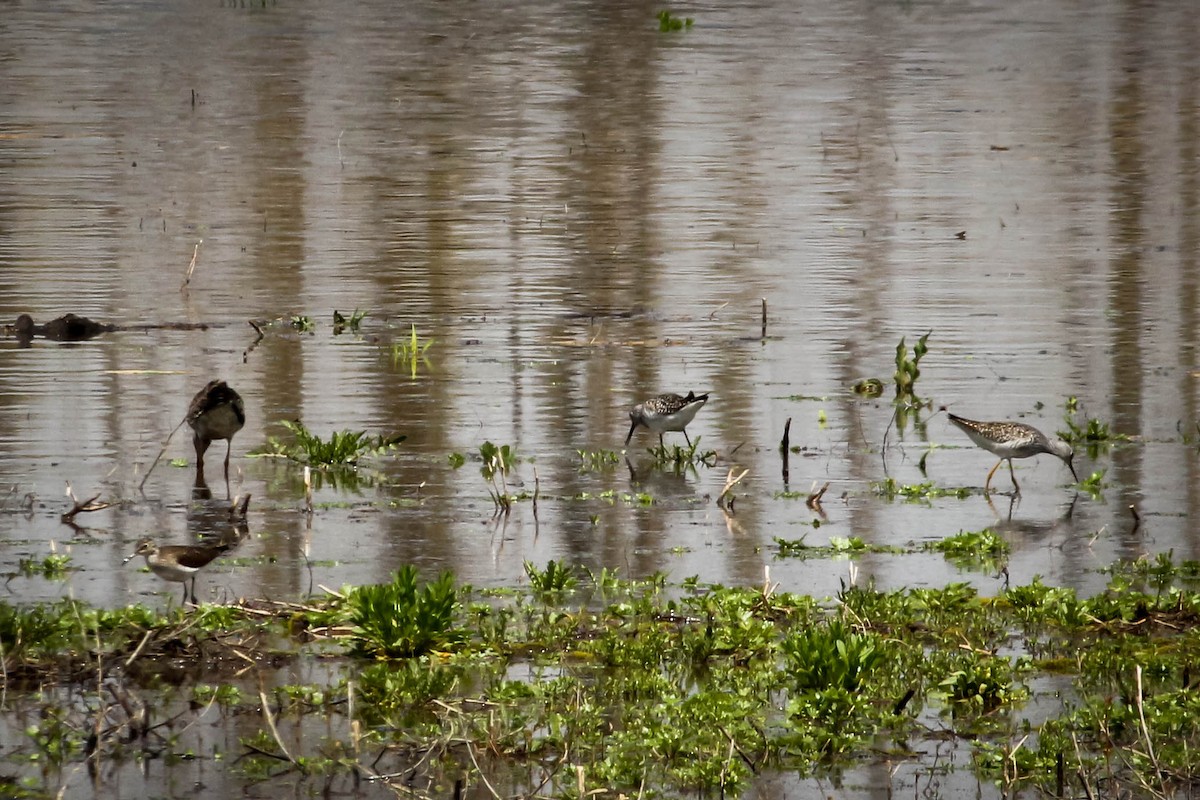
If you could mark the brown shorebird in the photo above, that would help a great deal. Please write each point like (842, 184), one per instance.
(1010, 440)
(176, 562)
(216, 412)
(667, 412)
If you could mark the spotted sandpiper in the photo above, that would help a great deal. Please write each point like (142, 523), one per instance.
(667, 412)
(216, 412)
(176, 562)
(1010, 440)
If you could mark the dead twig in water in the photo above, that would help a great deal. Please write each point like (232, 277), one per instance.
(270, 718)
(158, 457)
(730, 482)
(191, 267)
(79, 507)
(254, 344)
(764, 318)
(1137, 518)
(814, 499)
(784, 449)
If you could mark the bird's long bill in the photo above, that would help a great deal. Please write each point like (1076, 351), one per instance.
(1071, 467)
(129, 558)
(632, 428)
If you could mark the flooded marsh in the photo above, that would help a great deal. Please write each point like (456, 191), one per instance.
(441, 250)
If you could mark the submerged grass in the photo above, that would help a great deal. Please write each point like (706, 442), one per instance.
(616, 686)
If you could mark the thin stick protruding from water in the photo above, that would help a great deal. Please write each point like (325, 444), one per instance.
(764, 318)
(158, 457)
(784, 449)
(191, 267)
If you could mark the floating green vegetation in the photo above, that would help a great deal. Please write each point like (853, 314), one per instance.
(908, 368)
(838, 546)
(1091, 434)
(983, 549)
(302, 323)
(341, 321)
(688, 456)
(637, 687)
(611, 496)
(868, 387)
(1094, 484)
(342, 447)
(889, 489)
(400, 620)
(597, 460)
(668, 22)
(53, 567)
(411, 352)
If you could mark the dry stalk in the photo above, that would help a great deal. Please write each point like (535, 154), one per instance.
(270, 718)
(158, 457)
(79, 507)
(191, 267)
(254, 344)
(814, 498)
(730, 482)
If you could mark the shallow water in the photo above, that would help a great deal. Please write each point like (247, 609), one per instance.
(580, 212)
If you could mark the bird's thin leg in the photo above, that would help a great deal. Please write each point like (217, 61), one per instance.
(988, 483)
(689, 439)
(184, 600)
(1013, 475)
(661, 446)
(228, 447)
(200, 448)
(194, 591)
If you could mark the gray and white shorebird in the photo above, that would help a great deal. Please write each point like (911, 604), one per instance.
(216, 412)
(176, 562)
(1010, 440)
(667, 412)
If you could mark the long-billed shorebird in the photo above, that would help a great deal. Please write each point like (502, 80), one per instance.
(176, 562)
(216, 412)
(667, 412)
(1010, 440)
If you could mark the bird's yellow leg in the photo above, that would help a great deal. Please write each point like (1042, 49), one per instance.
(1013, 475)
(988, 483)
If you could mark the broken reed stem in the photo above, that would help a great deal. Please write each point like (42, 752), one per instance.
(79, 507)
(814, 499)
(764, 318)
(730, 482)
(270, 718)
(158, 457)
(191, 267)
(308, 492)
(536, 490)
(787, 434)
(254, 344)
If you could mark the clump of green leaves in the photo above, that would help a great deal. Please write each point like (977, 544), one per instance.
(497, 461)
(302, 323)
(908, 368)
(341, 321)
(53, 567)
(596, 460)
(831, 656)
(984, 548)
(684, 456)
(868, 387)
(889, 489)
(342, 447)
(1092, 434)
(668, 22)
(400, 619)
(554, 580)
(411, 352)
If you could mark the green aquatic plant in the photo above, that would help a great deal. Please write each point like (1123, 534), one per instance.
(341, 321)
(889, 489)
(400, 619)
(908, 368)
(985, 549)
(1094, 435)
(554, 580)
(342, 447)
(688, 456)
(868, 387)
(831, 656)
(302, 323)
(411, 352)
(597, 460)
(668, 22)
(497, 461)
(53, 567)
